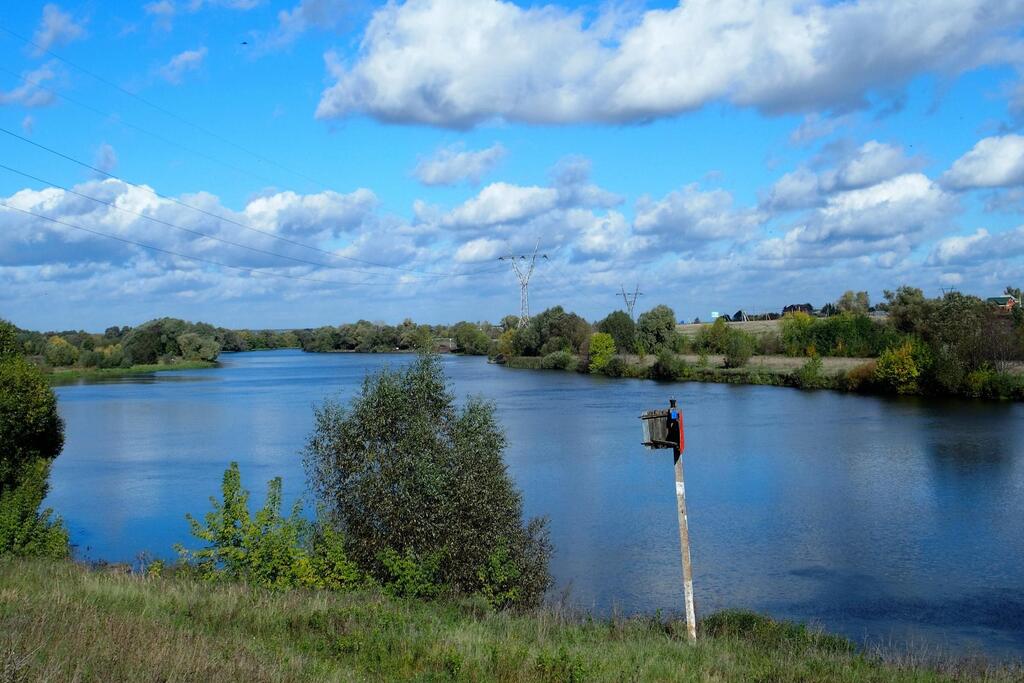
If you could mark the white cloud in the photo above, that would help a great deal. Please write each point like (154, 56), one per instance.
(992, 162)
(57, 27)
(452, 165)
(870, 164)
(695, 214)
(28, 125)
(456, 63)
(502, 203)
(180, 64)
(32, 92)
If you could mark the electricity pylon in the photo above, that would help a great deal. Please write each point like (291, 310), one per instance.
(630, 299)
(523, 271)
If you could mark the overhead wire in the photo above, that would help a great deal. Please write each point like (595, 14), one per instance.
(128, 124)
(167, 112)
(219, 217)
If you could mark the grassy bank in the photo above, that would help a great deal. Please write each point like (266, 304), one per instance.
(72, 375)
(61, 621)
(838, 374)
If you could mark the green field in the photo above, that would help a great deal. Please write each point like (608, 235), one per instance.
(61, 621)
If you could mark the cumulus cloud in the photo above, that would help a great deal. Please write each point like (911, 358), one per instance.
(315, 218)
(452, 165)
(57, 27)
(502, 203)
(32, 92)
(870, 164)
(992, 162)
(456, 63)
(885, 221)
(694, 214)
(180, 64)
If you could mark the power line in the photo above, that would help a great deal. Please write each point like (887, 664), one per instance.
(128, 124)
(189, 257)
(158, 107)
(224, 218)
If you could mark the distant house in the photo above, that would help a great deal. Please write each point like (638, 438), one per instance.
(801, 308)
(1004, 302)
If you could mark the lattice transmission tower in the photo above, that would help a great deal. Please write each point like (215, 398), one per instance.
(630, 298)
(523, 267)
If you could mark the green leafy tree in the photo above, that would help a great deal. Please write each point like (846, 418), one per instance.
(31, 436)
(59, 353)
(403, 472)
(195, 347)
(602, 350)
(471, 339)
(854, 302)
(908, 309)
(656, 327)
(9, 345)
(622, 329)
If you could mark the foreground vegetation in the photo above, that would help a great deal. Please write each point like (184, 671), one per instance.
(60, 622)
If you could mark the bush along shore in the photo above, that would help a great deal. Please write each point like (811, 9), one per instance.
(956, 345)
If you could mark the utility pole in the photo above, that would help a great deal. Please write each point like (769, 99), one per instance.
(524, 271)
(664, 429)
(630, 299)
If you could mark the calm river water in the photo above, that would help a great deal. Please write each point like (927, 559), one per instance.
(891, 521)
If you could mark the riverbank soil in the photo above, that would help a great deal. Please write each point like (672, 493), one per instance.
(62, 621)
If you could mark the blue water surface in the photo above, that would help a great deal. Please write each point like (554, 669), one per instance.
(893, 521)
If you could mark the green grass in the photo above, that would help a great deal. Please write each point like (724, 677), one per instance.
(60, 621)
(71, 375)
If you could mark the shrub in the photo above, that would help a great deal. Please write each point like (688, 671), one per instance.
(796, 333)
(9, 345)
(602, 350)
(24, 528)
(559, 360)
(616, 367)
(739, 347)
(861, 376)
(810, 376)
(668, 367)
(265, 549)
(897, 370)
(401, 471)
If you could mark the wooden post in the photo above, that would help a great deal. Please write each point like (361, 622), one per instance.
(684, 549)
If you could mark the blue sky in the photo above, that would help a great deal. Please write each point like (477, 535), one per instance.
(307, 162)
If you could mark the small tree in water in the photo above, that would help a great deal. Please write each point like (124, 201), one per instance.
(404, 474)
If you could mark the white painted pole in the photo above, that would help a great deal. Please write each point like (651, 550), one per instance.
(684, 549)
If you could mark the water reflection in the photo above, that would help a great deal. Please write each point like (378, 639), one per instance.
(883, 519)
